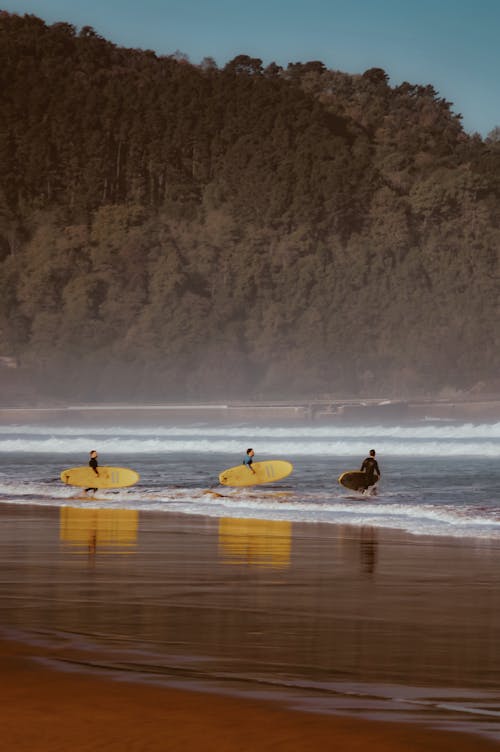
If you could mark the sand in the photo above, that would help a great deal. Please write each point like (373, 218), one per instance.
(48, 711)
(167, 632)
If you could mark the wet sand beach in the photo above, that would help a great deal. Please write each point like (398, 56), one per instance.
(163, 631)
(50, 711)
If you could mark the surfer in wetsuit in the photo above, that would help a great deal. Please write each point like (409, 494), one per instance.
(94, 465)
(249, 459)
(372, 470)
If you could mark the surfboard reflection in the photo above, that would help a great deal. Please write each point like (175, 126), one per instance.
(112, 531)
(256, 543)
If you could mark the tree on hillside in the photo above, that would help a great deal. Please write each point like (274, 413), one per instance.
(171, 230)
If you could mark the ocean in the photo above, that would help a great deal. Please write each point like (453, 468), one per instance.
(437, 478)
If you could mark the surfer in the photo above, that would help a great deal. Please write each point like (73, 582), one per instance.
(372, 470)
(94, 465)
(249, 459)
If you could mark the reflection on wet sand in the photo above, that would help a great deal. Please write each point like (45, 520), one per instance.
(358, 546)
(368, 549)
(113, 531)
(363, 621)
(257, 543)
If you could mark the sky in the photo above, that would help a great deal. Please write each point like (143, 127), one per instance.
(451, 44)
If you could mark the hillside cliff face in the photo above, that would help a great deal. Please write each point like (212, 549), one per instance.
(174, 231)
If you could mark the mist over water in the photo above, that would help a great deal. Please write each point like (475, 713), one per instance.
(437, 479)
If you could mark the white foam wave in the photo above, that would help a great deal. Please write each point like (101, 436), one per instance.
(422, 431)
(333, 508)
(266, 446)
(409, 518)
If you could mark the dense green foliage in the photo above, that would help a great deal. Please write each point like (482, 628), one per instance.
(170, 230)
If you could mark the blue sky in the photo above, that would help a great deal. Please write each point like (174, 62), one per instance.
(451, 44)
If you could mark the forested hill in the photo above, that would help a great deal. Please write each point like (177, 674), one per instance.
(179, 231)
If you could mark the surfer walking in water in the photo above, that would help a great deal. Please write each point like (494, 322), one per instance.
(372, 470)
(93, 463)
(249, 459)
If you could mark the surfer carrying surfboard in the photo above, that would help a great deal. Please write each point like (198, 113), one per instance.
(249, 459)
(372, 470)
(260, 472)
(93, 463)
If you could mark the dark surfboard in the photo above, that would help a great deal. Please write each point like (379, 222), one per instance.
(354, 480)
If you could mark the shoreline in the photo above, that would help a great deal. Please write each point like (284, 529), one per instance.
(312, 412)
(47, 710)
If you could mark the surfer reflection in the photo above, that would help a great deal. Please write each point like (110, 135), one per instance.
(112, 531)
(265, 544)
(368, 549)
(372, 470)
(93, 463)
(248, 460)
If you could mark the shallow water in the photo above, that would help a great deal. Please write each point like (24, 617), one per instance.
(437, 479)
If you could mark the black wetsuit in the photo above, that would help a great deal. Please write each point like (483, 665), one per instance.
(93, 464)
(371, 468)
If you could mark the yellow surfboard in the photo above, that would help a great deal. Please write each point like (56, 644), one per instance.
(109, 477)
(265, 472)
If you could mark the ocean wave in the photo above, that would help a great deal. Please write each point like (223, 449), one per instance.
(266, 446)
(421, 431)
